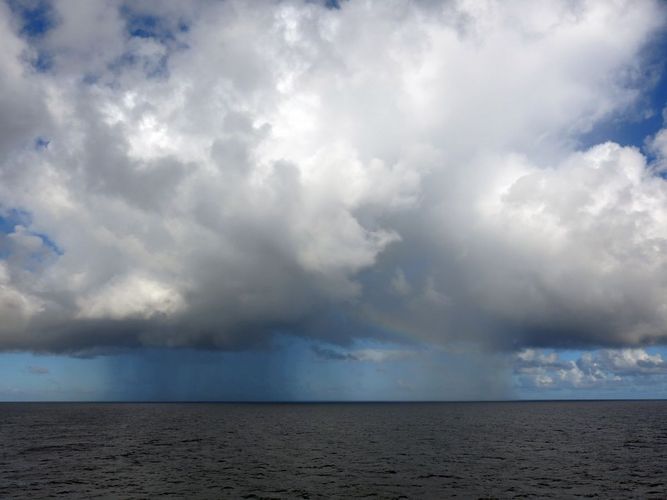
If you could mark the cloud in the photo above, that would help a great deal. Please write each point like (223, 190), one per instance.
(603, 368)
(332, 354)
(367, 355)
(38, 370)
(206, 174)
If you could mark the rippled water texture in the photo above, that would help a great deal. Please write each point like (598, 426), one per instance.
(557, 449)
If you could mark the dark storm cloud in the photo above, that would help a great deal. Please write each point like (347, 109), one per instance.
(207, 174)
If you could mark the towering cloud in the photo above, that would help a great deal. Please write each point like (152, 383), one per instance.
(208, 173)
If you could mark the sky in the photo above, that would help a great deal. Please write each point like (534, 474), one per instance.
(326, 201)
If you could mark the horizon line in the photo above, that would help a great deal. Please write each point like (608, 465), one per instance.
(325, 402)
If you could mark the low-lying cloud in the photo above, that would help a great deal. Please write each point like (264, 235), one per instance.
(605, 368)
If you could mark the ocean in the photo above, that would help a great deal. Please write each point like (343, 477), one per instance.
(566, 449)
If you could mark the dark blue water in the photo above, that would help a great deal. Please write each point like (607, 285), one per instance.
(469, 450)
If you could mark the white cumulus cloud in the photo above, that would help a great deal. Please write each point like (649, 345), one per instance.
(239, 169)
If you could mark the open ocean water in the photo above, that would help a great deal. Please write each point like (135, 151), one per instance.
(608, 449)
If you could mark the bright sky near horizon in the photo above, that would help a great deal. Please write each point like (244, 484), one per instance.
(355, 200)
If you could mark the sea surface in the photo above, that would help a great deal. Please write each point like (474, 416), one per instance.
(607, 449)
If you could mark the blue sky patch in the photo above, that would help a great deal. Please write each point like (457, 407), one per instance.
(10, 218)
(632, 129)
(144, 25)
(41, 143)
(36, 17)
(43, 62)
(49, 243)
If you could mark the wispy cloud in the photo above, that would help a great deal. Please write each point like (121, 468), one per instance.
(366, 355)
(38, 370)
